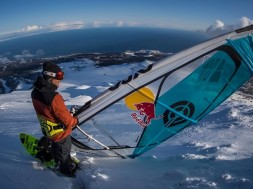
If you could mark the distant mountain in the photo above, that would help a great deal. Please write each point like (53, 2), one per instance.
(19, 76)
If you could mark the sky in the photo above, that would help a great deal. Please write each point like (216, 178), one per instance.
(21, 16)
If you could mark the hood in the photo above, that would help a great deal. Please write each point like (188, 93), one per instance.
(43, 85)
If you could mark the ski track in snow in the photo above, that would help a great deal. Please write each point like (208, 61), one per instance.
(215, 153)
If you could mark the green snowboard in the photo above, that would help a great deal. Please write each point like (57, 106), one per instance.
(30, 143)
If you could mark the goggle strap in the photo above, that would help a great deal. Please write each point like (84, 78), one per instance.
(49, 73)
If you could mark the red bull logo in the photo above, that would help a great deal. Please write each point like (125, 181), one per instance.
(142, 101)
(147, 109)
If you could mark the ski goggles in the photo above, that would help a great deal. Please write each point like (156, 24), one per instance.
(59, 75)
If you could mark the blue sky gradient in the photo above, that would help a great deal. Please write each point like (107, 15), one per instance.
(48, 15)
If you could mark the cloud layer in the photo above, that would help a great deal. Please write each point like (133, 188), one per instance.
(216, 28)
(76, 25)
(219, 27)
(71, 25)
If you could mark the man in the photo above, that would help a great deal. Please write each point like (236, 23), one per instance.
(55, 120)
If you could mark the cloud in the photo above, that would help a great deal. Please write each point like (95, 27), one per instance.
(54, 27)
(243, 22)
(119, 23)
(25, 54)
(61, 26)
(98, 24)
(40, 52)
(4, 60)
(219, 27)
(66, 25)
(24, 57)
(30, 28)
(35, 29)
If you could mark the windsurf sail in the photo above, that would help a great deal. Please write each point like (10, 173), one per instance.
(150, 106)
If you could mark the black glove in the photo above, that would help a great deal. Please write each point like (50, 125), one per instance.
(74, 109)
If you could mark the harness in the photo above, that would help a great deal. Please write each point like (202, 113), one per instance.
(49, 128)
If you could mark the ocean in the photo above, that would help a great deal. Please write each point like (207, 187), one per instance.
(100, 40)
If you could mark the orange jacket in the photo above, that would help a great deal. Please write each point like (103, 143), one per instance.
(49, 105)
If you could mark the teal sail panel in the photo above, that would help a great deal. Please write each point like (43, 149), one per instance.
(199, 93)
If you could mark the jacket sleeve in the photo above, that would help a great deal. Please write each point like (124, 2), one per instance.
(62, 113)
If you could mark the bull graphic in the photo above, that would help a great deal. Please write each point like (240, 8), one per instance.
(148, 110)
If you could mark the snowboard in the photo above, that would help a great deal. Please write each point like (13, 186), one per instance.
(30, 143)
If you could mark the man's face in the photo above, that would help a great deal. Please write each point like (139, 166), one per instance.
(56, 82)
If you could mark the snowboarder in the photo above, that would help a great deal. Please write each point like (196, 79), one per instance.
(55, 120)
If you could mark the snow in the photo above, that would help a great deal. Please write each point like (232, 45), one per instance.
(216, 153)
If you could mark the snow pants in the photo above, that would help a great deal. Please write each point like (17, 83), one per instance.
(61, 154)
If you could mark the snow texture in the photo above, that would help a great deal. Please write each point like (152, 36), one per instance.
(216, 153)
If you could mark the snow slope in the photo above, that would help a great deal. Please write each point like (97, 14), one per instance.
(216, 153)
